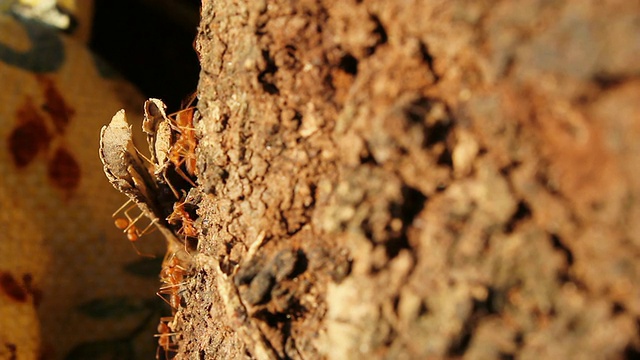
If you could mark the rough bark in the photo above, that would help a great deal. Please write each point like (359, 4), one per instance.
(417, 179)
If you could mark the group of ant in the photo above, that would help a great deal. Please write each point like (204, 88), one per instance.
(173, 271)
(172, 274)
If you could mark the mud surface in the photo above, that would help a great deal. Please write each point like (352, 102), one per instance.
(413, 180)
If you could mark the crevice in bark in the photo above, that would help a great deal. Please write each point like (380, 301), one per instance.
(266, 76)
(381, 34)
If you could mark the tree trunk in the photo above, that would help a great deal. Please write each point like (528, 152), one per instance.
(417, 179)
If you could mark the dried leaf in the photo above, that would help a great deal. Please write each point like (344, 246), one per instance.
(159, 132)
(130, 174)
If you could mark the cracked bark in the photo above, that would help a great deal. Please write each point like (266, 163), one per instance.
(444, 179)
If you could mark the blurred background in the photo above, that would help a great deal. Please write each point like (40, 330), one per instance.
(71, 286)
(150, 42)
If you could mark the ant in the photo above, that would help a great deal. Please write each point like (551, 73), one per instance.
(128, 226)
(183, 149)
(172, 141)
(187, 229)
(174, 296)
(164, 337)
(172, 274)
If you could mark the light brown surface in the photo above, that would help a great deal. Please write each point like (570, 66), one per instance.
(454, 178)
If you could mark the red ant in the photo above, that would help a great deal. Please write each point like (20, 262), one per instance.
(174, 297)
(187, 229)
(183, 150)
(164, 337)
(127, 225)
(172, 274)
(179, 151)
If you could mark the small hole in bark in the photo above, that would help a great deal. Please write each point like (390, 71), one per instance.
(492, 305)
(518, 339)
(366, 156)
(266, 76)
(423, 309)
(522, 213)
(224, 175)
(395, 301)
(460, 345)
(428, 58)
(481, 308)
(302, 263)
(349, 64)
(557, 243)
(395, 245)
(271, 319)
(506, 170)
(433, 116)
(606, 82)
(437, 133)
(381, 34)
(417, 110)
(617, 308)
(412, 204)
(445, 158)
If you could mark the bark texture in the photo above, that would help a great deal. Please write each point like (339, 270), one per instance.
(417, 179)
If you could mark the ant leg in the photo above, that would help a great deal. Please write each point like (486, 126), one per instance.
(124, 223)
(127, 225)
(164, 336)
(186, 246)
(174, 295)
(151, 256)
(187, 113)
(133, 234)
(122, 207)
(132, 222)
(191, 98)
(164, 327)
(181, 173)
(146, 230)
(187, 157)
(170, 286)
(173, 189)
(186, 240)
(144, 157)
(160, 293)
